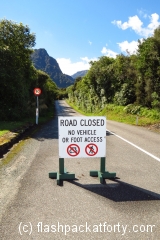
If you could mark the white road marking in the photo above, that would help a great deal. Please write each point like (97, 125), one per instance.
(141, 149)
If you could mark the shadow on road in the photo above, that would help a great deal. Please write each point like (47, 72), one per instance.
(109, 133)
(119, 191)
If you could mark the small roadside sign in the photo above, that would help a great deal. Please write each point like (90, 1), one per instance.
(81, 137)
(37, 91)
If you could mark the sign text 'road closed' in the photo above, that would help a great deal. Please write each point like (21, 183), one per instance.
(82, 137)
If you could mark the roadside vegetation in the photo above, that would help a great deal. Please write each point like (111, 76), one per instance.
(125, 89)
(18, 78)
(144, 117)
(7, 126)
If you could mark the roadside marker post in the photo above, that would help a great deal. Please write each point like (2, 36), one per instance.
(37, 92)
(82, 137)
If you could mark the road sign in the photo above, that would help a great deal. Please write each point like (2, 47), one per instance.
(91, 149)
(82, 137)
(73, 150)
(37, 91)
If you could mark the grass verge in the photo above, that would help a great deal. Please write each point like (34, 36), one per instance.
(9, 126)
(144, 117)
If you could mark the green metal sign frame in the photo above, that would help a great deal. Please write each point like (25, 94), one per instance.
(102, 174)
(64, 175)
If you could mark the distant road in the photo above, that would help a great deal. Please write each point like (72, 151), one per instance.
(34, 207)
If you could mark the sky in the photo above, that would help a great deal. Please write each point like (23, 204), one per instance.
(75, 32)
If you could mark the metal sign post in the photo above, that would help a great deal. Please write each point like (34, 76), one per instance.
(37, 111)
(37, 92)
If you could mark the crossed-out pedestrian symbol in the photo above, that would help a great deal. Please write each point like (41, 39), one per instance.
(91, 149)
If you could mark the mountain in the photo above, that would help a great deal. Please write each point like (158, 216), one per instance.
(42, 61)
(79, 74)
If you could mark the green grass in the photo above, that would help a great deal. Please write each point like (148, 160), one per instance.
(7, 126)
(117, 113)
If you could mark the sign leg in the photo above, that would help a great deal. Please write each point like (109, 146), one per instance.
(61, 165)
(102, 164)
(62, 174)
(102, 174)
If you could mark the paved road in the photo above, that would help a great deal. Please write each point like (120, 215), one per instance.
(126, 208)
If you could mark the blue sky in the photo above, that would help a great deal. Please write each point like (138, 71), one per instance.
(74, 32)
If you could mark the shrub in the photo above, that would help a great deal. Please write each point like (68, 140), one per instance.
(133, 109)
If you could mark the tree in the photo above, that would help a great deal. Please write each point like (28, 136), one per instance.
(156, 34)
(101, 78)
(148, 66)
(49, 88)
(126, 75)
(16, 70)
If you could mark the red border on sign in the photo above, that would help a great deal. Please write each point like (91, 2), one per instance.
(35, 91)
(89, 146)
(71, 147)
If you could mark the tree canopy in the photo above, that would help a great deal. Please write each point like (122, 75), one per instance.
(131, 79)
(18, 77)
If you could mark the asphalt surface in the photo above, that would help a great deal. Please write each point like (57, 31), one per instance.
(33, 206)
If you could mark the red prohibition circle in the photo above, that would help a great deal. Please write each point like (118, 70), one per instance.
(90, 151)
(37, 91)
(73, 150)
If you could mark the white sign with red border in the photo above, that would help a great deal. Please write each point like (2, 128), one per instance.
(37, 91)
(81, 137)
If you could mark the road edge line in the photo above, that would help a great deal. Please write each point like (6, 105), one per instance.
(134, 145)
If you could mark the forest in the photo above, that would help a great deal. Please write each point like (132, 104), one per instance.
(132, 81)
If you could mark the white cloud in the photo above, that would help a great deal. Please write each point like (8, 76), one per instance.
(154, 21)
(108, 52)
(90, 43)
(136, 24)
(87, 60)
(131, 47)
(70, 68)
(133, 22)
